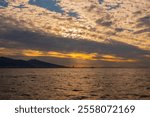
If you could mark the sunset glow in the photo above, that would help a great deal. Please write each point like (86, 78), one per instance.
(113, 31)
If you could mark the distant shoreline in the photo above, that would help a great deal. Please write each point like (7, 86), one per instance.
(75, 67)
(34, 63)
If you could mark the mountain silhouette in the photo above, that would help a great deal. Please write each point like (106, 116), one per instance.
(33, 63)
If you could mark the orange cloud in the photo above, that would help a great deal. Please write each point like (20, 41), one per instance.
(77, 55)
(74, 55)
(111, 58)
(33, 53)
(11, 52)
(148, 56)
(71, 55)
(86, 27)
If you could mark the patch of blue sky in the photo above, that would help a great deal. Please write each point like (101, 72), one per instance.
(3, 3)
(51, 5)
(100, 1)
(73, 14)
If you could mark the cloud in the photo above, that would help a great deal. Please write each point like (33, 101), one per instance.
(80, 18)
(73, 55)
(119, 29)
(144, 21)
(35, 40)
(109, 27)
(6, 51)
(147, 30)
(111, 58)
(15, 36)
(103, 22)
(113, 6)
(66, 55)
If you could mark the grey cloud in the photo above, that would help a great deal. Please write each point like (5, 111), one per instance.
(115, 6)
(36, 40)
(91, 7)
(17, 37)
(137, 13)
(143, 31)
(145, 21)
(119, 29)
(110, 33)
(100, 1)
(123, 29)
(104, 22)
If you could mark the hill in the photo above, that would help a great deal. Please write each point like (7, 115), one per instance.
(33, 63)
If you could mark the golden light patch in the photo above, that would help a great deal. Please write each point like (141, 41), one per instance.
(111, 58)
(76, 55)
(33, 53)
(69, 55)
(11, 52)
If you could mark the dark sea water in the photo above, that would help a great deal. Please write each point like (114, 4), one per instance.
(67, 83)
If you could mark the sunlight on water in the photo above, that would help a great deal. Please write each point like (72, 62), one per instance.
(102, 83)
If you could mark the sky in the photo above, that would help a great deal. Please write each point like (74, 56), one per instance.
(80, 33)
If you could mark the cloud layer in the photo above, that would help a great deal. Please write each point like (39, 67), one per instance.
(101, 30)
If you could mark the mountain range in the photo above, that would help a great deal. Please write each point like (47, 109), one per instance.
(33, 63)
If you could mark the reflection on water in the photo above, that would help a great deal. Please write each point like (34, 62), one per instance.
(100, 83)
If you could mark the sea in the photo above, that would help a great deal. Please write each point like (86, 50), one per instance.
(74, 84)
